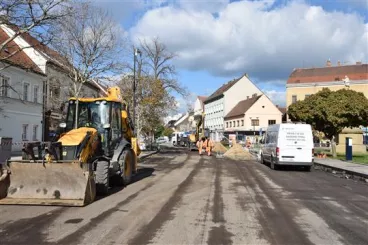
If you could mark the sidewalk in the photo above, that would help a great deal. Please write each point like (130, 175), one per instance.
(339, 165)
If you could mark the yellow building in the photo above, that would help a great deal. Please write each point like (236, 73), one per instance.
(306, 81)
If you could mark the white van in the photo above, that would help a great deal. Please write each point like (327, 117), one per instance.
(288, 144)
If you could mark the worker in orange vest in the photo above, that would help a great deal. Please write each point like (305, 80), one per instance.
(209, 145)
(201, 145)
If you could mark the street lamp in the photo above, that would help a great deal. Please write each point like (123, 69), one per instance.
(136, 52)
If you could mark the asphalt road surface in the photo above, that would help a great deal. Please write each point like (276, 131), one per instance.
(181, 198)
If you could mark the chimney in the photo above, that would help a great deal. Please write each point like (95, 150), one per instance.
(328, 63)
(247, 97)
(277, 106)
(358, 62)
(254, 95)
(338, 63)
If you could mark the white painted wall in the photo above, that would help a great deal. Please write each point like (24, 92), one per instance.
(16, 112)
(238, 92)
(198, 107)
(264, 109)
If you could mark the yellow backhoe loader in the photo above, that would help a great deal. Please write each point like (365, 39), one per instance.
(200, 132)
(96, 150)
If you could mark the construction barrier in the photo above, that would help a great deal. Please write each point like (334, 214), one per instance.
(5, 149)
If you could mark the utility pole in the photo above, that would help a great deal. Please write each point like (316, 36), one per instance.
(136, 52)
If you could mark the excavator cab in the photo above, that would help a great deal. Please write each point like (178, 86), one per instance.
(96, 149)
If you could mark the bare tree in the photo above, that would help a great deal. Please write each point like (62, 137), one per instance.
(159, 60)
(90, 41)
(34, 17)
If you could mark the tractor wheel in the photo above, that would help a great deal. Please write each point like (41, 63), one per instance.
(102, 177)
(126, 161)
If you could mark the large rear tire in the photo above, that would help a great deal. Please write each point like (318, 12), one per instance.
(126, 164)
(102, 177)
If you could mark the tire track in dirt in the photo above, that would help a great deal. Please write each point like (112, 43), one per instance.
(166, 213)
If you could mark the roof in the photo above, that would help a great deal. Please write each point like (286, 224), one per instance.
(20, 59)
(329, 74)
(282, 109)
(181, 119)
(222, 89)
(202, 98)
(243, 106)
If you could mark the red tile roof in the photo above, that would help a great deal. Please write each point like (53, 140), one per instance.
(329, 74)
(20, 59)
(282, 109)
(242, 107)
(202, 98)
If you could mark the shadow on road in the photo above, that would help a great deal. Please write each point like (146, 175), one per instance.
(141, 174)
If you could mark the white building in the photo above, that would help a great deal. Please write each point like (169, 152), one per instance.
(250, 116)
(199, 105)
(58, 86)
(218, 104)
(21, 83)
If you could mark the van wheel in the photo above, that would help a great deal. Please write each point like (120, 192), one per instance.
(273, 165)
(308, 168)
(262, 159)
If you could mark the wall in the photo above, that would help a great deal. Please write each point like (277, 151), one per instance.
(238, 92)
(214, 118)
(300, 90)
(264, 109)
(197, 107)
(17, 112)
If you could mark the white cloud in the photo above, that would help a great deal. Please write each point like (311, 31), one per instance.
(277, 97)
(248, 36)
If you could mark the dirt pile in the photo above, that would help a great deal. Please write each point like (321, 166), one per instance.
(219, 148)
(238, 153)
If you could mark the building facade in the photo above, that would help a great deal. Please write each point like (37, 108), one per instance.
(251, 116)
(219, 104)
(199, 105)
(304, 82)
(58, 87)
(21, 84)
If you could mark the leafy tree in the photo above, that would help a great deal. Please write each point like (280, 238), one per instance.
(159, 131)
(332, 111)
(167, 132)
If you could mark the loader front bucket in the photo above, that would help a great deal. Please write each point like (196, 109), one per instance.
(37, 183)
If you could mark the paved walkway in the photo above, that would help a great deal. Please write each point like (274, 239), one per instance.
(354, 168)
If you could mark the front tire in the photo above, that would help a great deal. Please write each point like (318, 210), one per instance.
(102, 177)
(126, 165)
(273, 165)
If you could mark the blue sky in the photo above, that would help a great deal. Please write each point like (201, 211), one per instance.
(220, 40)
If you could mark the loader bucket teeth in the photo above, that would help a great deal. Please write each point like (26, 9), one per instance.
(37, 183)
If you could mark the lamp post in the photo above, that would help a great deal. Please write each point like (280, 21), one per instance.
(136, 52)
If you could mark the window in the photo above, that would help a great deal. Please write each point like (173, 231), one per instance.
(24, 131)
(234, 124)
(271, 122)
(293, 99)
(35, 94)
(227, 124)
(238, 123)
(242, 122)
(4, 86)
(25, 91)
(35, 127)
(255, 122)
(230, 124)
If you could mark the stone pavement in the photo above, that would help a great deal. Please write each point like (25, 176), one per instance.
(352, 168)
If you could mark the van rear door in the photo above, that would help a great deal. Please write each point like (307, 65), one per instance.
(295, 143)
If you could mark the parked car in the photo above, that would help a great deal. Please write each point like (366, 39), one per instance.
(288, 144)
